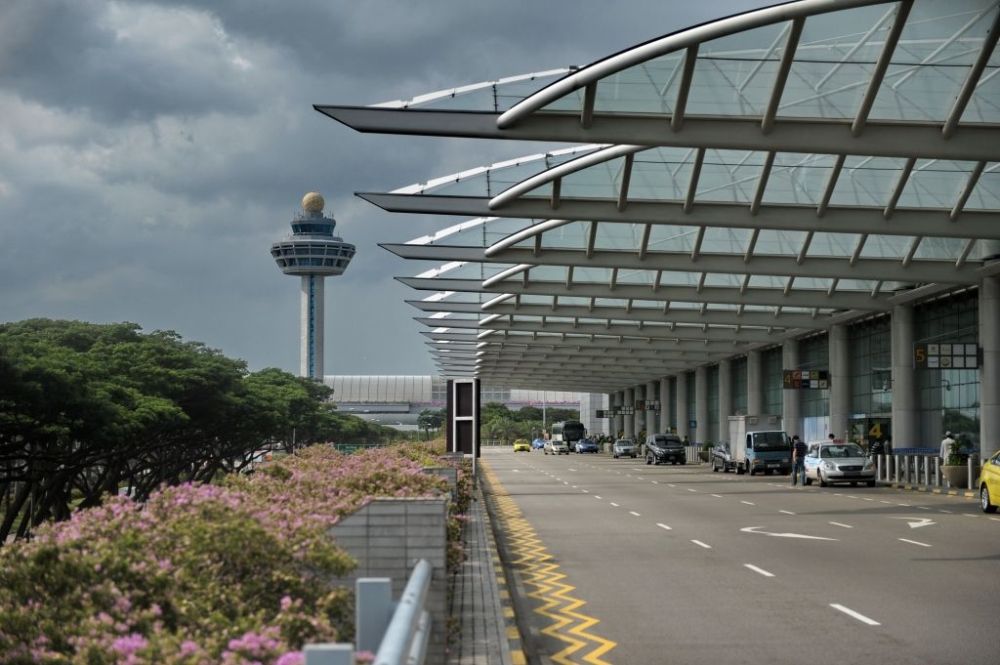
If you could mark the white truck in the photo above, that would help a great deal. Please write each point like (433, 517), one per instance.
(757, 444)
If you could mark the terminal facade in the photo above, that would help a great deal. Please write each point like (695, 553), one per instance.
(805, 190)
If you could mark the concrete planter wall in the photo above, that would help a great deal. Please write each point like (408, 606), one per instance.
(956, 475)
(388, 537)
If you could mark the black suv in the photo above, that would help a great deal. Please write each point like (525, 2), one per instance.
(665, 448)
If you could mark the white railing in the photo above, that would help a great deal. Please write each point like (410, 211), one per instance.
(396, 632)
(921, 469)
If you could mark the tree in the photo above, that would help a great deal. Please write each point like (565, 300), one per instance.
(430, 419)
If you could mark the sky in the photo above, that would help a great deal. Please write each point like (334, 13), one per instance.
(151, 152)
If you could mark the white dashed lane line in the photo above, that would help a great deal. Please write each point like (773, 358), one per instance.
(596, 496)
(701, 544)
(757, 570)
(656, 482)
(914, 542)
(614, 504)
(632, 512)
(846, 526)
(717, 496)
(663, 526)
(749, 503)
(692, 490)
(857, 615)
(786, 512)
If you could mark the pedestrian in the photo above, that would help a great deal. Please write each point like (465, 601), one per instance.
(832, 437)
(946, 443)
(798, 460)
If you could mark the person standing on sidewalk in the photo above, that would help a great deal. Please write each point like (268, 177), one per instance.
(946, 443)
(798, 460)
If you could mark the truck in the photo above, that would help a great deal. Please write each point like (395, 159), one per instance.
(757, 444)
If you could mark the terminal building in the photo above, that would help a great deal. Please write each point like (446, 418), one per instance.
(791, 212)
(397, 401)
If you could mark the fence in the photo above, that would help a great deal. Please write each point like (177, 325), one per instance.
(397, 633)
(924, 468)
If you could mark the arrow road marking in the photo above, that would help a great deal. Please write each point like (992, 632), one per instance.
(754, 529)
(917, 521)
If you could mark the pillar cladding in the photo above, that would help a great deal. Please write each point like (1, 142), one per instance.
(681, 405)
(664, 405)
(700, 433)
(989, 373)
(629, 421)
(619, 421)
(725, 397)
(755, 384)
(791, 414)
(311, 327)
(840, 382)
(905, 429)
(652, 393)
(639, 417)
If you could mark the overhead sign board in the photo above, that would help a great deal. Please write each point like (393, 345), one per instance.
(805, 379)
(945, 355)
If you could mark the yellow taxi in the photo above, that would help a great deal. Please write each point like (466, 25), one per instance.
(989, 484)
(522, 444)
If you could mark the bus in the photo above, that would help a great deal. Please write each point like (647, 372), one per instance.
(569, 431)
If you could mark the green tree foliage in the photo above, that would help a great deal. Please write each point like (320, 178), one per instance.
(87, 409)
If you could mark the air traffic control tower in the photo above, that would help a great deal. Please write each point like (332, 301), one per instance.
(313, 253)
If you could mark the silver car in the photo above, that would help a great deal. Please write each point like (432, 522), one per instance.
(556, 448)
(829, 463)
(624, 448)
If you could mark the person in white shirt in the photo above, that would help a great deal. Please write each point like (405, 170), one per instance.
(946, 444)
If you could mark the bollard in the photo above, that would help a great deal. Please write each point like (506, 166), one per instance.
(972, 462)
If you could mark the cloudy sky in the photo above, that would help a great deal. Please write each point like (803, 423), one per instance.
(150, 152)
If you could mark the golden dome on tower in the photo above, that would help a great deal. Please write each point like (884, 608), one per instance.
(313, 202)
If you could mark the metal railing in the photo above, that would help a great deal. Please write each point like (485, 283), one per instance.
(396, 632)
(922, 469)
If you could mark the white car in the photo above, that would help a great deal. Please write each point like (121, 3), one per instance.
(556, 447)
(829, 463)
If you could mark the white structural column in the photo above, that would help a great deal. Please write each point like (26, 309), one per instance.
(618, 424)
(725, 397)
(700, 434)
(664, 405)
(755, 385)
(639, 419)
(791, 414)
(311, 327)
(905, 432)
(652, 392)
(840, 382)
(989, 373)
(681, 405)
(629, 421)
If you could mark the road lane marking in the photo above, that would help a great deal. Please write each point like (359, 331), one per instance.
(904, 505)
(596, 496)
(632, 512)
(851, 496)
(614, 504)
(575, 487)
(970, 515)
(656, 482)
(857, 615)
(640, 478)
(717, 496)
(945, 511)
(587, 491)
(867, 499)
(669, 485)
(995, 519)
(786, 512)
(758, 570)
(749, 503)
(917, 522)
(701, 544)
(572, 469)
(691, 490)
(663, 526)
(565, 482)
(756, 529)
(923, 507)
(914, 542)
(846, 526)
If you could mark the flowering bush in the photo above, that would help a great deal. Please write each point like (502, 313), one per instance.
(234, 574)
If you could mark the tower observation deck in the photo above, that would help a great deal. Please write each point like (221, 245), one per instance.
(313, 253)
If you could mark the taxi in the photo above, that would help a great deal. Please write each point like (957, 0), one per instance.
(522, 445)
(989, 484)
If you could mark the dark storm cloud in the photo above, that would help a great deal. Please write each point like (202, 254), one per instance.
(150, 152)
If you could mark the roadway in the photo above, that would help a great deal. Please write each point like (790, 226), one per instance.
(682, 565)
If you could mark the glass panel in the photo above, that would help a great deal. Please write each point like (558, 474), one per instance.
(986, 194)
(650, 87)
(779, 242)
(729, 175)
(728, 241)
(867, 181)
(644, 277)
(619, 236)
(798, 179)
(573, 236)
(666, 238)
(879, 246)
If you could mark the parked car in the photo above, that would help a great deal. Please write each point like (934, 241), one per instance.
(829, 463)
(665, 448)
(585, 446)
(522, 445)
(538, 444)
(624, 448)
(556, 447)
(989, 484)
(722, 458)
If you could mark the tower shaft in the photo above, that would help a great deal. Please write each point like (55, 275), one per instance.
(311, 330)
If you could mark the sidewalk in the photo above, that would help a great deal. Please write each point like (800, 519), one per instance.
(480, 604)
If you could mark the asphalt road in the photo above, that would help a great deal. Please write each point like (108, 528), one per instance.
(684, 566)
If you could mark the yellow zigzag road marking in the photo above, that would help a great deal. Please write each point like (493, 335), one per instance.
(539, 572)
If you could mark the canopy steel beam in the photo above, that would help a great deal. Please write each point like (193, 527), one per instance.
(923, 140)
(708, 294)
(628, 331)
(832, 219)
(558, 341)
(572, 354)
(921, 271)
(724, 317)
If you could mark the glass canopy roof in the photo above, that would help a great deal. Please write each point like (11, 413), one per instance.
(763, 176)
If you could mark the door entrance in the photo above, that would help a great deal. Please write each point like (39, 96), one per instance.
(866, 431)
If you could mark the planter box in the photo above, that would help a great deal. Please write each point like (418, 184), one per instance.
(957, 476)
